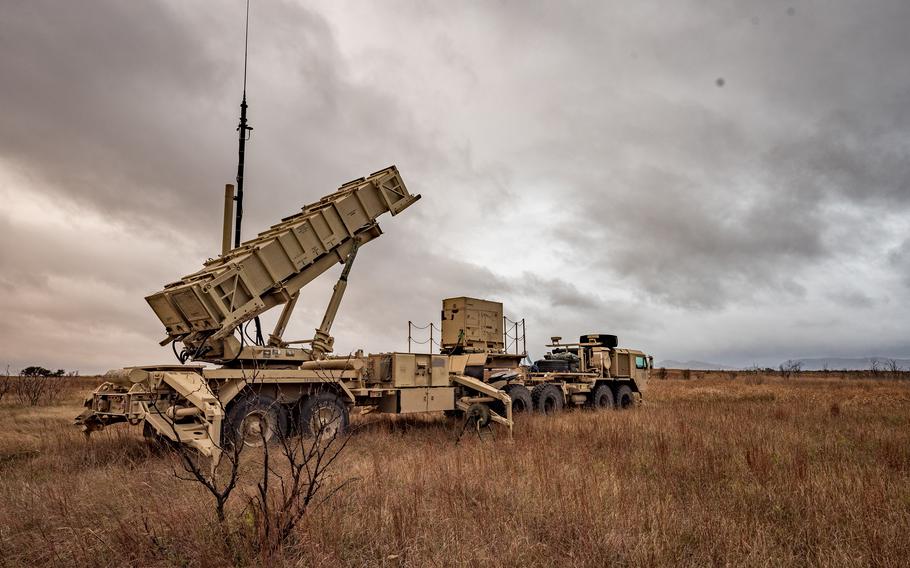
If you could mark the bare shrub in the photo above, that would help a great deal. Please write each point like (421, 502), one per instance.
(291, 474)
(301, 478)
(662, 374)
(790, 369)
(32, 390)
(875, 368)
(686, 374)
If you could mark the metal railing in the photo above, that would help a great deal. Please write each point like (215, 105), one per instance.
(430, 341)
(515, 339)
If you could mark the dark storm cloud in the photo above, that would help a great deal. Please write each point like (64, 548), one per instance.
(578, 161)
(131, 108)
(729, 202)
(95, 86)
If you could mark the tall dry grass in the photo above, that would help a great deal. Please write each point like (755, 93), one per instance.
(712, 471)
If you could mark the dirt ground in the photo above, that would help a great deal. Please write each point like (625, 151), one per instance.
(747, 469)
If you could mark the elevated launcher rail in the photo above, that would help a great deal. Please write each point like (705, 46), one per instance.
(203, 310)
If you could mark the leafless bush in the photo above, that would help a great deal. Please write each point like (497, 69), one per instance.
(790, 368)
(301, 478)
(33, 390)
(687, 374)
(291, 474)
(875, 367)
(662, 374)
(892, 366)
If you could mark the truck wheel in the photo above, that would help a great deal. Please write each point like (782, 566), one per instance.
(324, 414)
(547, 398)
(256, 419)
(601, 397)
(552, 365)
(521, 400)
(624, 397)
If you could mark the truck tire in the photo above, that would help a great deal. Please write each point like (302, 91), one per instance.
(624, 397)
(323, 413)
(605, 339)
(521, 400)
(547, 398)
(254, 419)
(552, 365)
(601, 397)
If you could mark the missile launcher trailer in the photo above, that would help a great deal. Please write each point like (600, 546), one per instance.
(261, 388)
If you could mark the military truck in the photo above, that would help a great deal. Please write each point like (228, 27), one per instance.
(249, 390)
(595, 372)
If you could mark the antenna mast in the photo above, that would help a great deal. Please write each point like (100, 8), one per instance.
(242, 130)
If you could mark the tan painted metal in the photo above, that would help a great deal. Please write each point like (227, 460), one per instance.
(190, 404)
(471, 325)
(227, 223)
(204, 308)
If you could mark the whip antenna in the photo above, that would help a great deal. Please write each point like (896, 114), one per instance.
(243, 130)
(243, 133)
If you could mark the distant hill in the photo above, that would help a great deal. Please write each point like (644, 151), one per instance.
(855, 364)
(697, 365)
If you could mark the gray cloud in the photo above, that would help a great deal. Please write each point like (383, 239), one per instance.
(578, 162)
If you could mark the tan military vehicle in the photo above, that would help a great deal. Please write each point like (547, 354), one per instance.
(254, 389)
(594, 372)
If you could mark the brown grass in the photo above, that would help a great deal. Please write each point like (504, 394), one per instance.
(711, 471)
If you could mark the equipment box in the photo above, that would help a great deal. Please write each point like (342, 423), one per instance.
(472, 324)
(420, 400)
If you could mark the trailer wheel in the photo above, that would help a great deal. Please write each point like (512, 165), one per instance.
(547, 398)
(601, 397)
(521, 400)
(256, 419)
(624, 398)
(324, 414)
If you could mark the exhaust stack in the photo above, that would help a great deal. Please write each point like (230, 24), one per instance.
(228, 219)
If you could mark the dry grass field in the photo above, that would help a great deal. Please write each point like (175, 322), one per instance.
(746, 471)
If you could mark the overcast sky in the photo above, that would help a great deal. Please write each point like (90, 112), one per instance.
(713, 180)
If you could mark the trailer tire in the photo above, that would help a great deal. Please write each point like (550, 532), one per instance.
(521, 398)
(547, 398)
(624, 399)
(522, 402)
(601, 397)
(250, 414)
(552, 365)
(323, 413)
